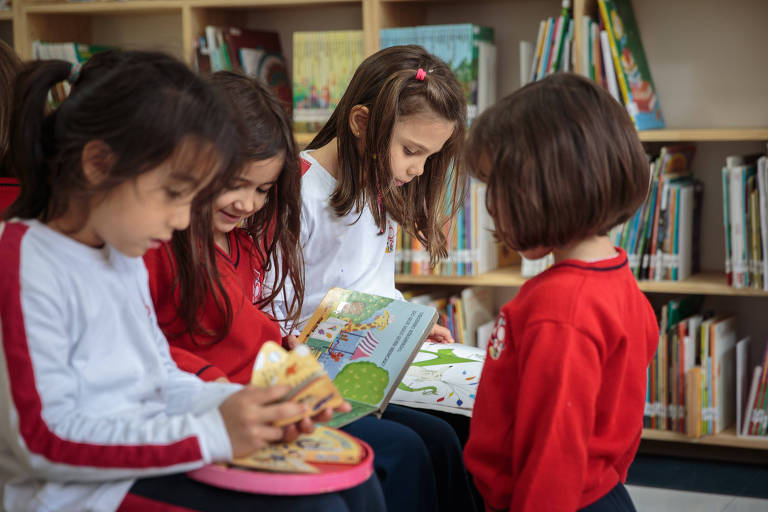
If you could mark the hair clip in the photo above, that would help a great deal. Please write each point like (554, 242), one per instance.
(421, 74)
(74, 73)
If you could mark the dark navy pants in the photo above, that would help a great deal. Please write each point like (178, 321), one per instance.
(617, 500)
(418, 459)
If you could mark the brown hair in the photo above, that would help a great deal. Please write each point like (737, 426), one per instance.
(9, 66)
(385, 83)
(265, 130)
(562, 161)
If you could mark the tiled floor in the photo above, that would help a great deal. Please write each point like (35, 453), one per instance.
(656, 499)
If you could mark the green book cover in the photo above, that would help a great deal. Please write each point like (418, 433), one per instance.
(366, 344)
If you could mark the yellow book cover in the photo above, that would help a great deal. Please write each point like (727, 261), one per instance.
(310, 384)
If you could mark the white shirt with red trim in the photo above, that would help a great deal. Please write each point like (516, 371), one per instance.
(347, 252)
(91, 398)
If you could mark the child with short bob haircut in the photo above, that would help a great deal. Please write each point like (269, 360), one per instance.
(97, 415)
(389, 155)
(559, 409)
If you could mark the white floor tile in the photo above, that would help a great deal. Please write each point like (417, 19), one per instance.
(655, 499)
(740, 504)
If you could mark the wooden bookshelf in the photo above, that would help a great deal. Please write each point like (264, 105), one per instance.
(727, 438)
(705, 134)
(692, 70)
(705, 283)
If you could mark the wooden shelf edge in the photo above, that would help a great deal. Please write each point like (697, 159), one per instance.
(726, 438)
(706, 283)
(6, 15)
(104, 7)
(241, 4)
(704, 134)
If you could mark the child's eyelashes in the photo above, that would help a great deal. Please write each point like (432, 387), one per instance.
(408, 151)
(173, 193)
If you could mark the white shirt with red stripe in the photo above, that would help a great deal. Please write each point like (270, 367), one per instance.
(91, 398)
(347, 252)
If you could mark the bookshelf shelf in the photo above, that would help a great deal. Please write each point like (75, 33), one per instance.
(240, 4)
(6, 15)
(706, 283)
(705, 134)
(132, 7)
(726, 438)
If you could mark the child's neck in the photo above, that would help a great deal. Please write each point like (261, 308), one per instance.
(594, 248)
(222, 241)
(328, 157)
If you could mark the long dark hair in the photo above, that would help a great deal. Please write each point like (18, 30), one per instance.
(265, 131)
(9, 66)
(385, 83)
(147, 107)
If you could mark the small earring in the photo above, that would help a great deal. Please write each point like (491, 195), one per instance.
(373, 156)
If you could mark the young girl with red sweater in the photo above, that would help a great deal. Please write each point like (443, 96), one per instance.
(211, 313)
(559, 409)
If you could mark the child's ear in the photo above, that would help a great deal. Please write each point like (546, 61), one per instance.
(97, 159)
(358, 121)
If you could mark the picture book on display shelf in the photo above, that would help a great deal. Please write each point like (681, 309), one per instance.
(366, 344)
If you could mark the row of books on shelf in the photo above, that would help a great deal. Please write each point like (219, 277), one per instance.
(697, 379)
(254, 52)
(611, 54)
(745, 220)
(468, 314)
(324, 62)
(469, 50)
(472, 249)
(662, 237)
(553, 49)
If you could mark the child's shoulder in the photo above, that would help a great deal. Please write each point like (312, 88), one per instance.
(315, 179)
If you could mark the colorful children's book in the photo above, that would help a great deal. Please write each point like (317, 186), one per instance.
(442, 378)
(324, 445)
(298, 369)
(366, 343)
(644, 104)
(323, 65)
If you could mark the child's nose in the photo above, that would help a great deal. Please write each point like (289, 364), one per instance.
(180, 218)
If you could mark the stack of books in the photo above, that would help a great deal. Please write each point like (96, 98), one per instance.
(612, 55)
(745, 220)
(662, 238)
(256, 53)
(692, 377)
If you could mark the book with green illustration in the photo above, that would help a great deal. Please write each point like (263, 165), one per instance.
(366, 344)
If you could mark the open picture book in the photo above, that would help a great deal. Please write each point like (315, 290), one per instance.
(366, 344)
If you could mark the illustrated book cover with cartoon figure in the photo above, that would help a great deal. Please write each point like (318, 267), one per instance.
(366, 344)
(324, 445)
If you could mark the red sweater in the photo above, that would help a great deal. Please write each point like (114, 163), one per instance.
(9, 191)
(559, 409)
(241, 276)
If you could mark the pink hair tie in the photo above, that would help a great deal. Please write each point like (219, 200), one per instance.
(421, 74)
